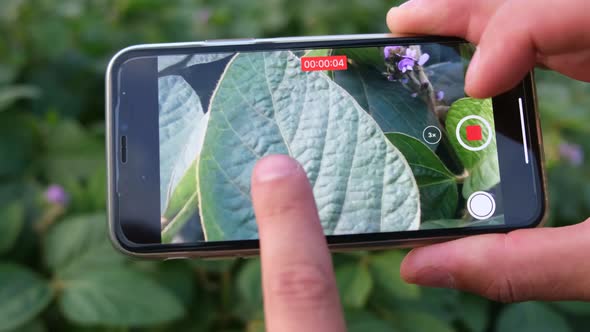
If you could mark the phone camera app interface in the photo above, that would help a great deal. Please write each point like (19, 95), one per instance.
(386, 135)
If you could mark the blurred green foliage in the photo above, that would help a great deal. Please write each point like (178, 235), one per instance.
(59, 273)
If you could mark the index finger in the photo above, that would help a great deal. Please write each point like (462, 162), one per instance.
(299, 286)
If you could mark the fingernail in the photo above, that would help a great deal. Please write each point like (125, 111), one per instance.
(275, 167)
(434, 277)
(410, 4)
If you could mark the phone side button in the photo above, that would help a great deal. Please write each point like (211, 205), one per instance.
(175, 258)
(231, 41)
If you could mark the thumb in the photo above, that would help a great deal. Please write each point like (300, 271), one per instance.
(531, 264)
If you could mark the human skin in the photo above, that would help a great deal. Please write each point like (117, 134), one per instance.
(513, 36)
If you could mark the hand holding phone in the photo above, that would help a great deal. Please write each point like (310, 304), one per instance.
(512, 37)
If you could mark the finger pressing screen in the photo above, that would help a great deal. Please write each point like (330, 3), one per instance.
(300, 292)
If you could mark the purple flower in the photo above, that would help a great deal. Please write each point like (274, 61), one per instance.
(573, 153)
(440, 95)
(390, 78)
(405, 80)
(423, 58)
(414, 95)
(388, 51)
(56, 194)
(406, 64)
(412, 53)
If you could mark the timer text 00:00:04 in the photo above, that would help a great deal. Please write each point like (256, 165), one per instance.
(334, 62)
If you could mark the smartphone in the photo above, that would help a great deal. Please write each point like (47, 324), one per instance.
(396, 153)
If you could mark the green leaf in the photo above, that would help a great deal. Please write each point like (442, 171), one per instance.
(354, 284)
(219, 265)
(117, 297)
(181, 124)
(385, 271)
(474, 312)
(17, 143)
(23, 295)
(318, 52)
(408, 321)
(573, 307)
(178, 278)
(12, 93)
(482, 165)
(531, 317)
(438, 186)
(364, 321)
(389, 103)
(183, 205)
(72, 154)
(79, 245)
(249, 283)
(12, 219)
(31, 326)
(253, 114)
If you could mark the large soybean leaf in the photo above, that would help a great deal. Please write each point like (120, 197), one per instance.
(482, 165)
(23, 294)
(181, 130)
(389, 103)
(118, 297)
(265, 104)
(438, 186)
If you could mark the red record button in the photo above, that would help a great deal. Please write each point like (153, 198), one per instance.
(315, 63)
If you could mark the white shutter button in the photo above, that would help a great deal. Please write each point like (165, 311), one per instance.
(481, 205)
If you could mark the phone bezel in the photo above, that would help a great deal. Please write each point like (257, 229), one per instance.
(340, 242)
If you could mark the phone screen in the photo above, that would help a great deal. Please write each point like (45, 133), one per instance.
(386, 135)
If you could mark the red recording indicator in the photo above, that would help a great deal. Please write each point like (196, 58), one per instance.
(473, 133)
(314, 63)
